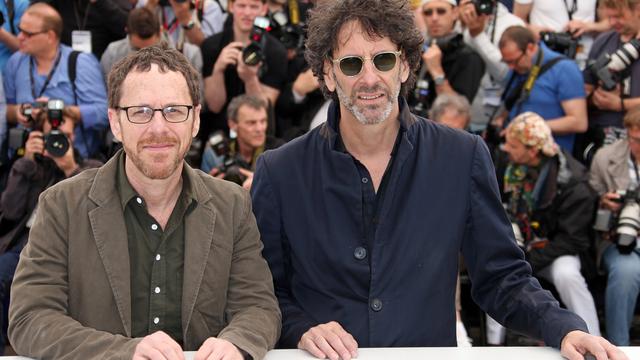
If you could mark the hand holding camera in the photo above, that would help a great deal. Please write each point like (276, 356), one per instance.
(475, 21)
(611, 201)
(577, 27)
(228, 56)
(607, 99)
(433, 59)
(247, 72)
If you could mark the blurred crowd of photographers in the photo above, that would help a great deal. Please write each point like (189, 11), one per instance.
(567, 67)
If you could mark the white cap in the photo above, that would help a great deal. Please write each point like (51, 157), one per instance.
(452, 2)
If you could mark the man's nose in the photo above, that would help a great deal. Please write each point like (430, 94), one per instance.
(369, 72)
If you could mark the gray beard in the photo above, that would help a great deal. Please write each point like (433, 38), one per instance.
(359, 113)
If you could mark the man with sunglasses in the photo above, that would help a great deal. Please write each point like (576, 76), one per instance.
(40, 71)
(452, 67)
(145, 257)
(364, 217)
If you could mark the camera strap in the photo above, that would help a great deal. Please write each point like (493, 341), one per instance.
(81, 24)
(46, 82)
(294, 12)
(571, 10)
(12, 15)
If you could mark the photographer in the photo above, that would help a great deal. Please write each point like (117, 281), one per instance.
(29, 176)
(187, 20)
(607, 104)
(545, 82)
(225, 69)
(41, 70)
(551, 202)
(615, 167)
(482, 32)
(248, 119)
(576, 18)
(10, 13)
(451, 66)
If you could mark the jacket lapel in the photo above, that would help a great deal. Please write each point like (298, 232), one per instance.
(618, 167)
(109, 232)
(199, 225)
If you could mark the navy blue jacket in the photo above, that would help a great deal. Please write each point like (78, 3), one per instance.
(442, 198)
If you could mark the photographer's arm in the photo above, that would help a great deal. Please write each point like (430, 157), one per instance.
(9, 40)
(92, 94)
(575, 119)
(183, 13)
(215, 95)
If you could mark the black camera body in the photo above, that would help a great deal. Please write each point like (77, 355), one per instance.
(231, 163)
(484, 7)
(610, 69)
(626, 224)
(561, 42)
(253, 53)
(55, 141)
(291, 35)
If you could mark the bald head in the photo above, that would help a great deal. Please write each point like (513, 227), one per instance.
(51, 20)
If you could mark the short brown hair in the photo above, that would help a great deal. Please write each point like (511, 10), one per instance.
(167, 60)
(378, 18)
(50, 17)
(618, 4)
(244, 100)
(632, 118)
(143, 22)
(520, 35)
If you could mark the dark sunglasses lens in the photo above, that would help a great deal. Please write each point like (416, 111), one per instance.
(351, 66)
(384, 61)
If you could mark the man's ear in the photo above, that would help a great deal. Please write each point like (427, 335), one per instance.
(329, 79)
(114, 123)
(404, 69)
(196, 121)
(232, 125)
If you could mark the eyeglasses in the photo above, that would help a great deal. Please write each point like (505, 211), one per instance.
(144, 114)
(352, 65)
(429, 12)
(31, 34)
(514, 61)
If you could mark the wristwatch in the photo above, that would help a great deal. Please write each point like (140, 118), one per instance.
(189, 25)
(439, 80)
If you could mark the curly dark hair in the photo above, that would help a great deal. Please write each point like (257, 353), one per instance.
(378, 18)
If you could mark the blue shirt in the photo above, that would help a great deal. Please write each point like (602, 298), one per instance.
(19, 6)
(563, 81)
(90, 88)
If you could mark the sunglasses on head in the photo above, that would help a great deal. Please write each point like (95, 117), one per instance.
(352, 65)
(439, 11)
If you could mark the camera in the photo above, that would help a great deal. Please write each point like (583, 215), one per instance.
(289, 34)
(253, 53)
(484, 7)
(561, 42)
(627, 222)
(55, 141)
(231, 163)
(610, 69)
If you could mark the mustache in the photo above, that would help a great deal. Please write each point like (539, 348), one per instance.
(155, 139)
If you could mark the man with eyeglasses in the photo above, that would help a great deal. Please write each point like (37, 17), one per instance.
(363, 218)
(145, 257)
(452, 67)
(40, 71)
(615, 168)
(542, 81)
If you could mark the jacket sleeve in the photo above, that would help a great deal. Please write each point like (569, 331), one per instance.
(21, 181)
(39, 322)
(251, 305)
(501, 279)
(295, 321)
(573, 218)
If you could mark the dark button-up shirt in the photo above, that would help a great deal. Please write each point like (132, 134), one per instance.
(156, 259)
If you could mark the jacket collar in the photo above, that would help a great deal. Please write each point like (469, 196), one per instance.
(110, 235)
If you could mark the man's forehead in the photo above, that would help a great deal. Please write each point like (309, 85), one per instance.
(353, 29)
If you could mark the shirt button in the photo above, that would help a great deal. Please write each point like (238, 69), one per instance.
(360, 253)
(365, 180)
(376, 305)
(158, 257)
(154, 227)
(156, 320)
(157, 290)
(139, 201)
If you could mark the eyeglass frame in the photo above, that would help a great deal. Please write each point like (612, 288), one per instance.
(429, 12)
(126, 111)
(397, 54)
(515, 61)
(30, 34)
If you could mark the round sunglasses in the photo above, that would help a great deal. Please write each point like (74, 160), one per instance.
(352, 65)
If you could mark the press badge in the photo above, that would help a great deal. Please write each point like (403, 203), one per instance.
(81, 40)
(492, 95)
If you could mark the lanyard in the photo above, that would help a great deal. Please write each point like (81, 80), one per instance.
(169, 27)
(46, 82)
(571, 10)
(81, 25)
(635, 167)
